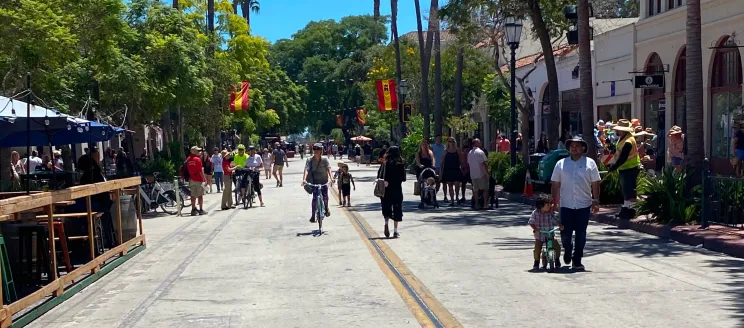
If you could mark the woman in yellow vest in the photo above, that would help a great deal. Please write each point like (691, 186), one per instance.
(628, 166)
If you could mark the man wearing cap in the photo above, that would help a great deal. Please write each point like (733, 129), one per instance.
(627, 164)
(196, 179)
(279, 160)
(575, 190)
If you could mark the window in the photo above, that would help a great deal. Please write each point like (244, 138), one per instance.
(653, 99)
(680, 84)
(726, 98)
(651, 11)
(672, 3)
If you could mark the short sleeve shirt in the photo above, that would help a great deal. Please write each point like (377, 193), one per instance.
(476, 157)
(217, 162)
(576, 178)
(239, 160)
(438, 150)
(278, 155)
(195, 166)
(317, 171)
(254, 161)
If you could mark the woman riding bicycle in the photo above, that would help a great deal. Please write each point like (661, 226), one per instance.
(254, 163)
(318, 172)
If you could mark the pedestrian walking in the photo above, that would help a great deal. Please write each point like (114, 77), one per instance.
(216, 161)
(346, 182)
(227, 168)
(266, 156)
(575, 189)
(197, 178)
(334, 149)
(543, 218)
(337, 177)
(478, 163)
(208, 171)
(279, 160)
(392, 173)
(466, 147)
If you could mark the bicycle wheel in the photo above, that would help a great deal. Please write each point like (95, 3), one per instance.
(245, 195)
(320, 214)
(551, 260)
(250, 195)
(170, 205)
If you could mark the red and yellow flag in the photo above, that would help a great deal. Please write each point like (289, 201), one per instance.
(362, 116)
(387, 99)
(240, 99)
(339, 120)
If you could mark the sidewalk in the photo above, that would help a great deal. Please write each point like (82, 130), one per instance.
(723, 239)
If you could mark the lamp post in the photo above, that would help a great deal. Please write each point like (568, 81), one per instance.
(513, 29)
(403, 91)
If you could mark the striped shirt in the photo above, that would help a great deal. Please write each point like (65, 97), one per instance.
(543, 221)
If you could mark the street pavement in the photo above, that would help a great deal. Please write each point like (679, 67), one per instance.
(452, 267)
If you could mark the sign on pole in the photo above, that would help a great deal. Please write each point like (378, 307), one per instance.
(649, 81)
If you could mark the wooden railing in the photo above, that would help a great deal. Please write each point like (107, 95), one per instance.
(11, 208)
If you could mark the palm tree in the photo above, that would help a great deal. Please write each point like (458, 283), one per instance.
(425, 51)
(694, 85)
(394, 31)
(377, 10)
(433, 15)
(585, 75)
(248, 6)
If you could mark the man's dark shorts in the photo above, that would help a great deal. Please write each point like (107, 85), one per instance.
(628, 180)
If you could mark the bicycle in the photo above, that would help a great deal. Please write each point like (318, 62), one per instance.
(155, 195)
(247, 193)
(319, 206)
(549, 255)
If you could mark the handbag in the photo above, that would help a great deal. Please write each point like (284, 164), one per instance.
(380, 185)
(417, 189)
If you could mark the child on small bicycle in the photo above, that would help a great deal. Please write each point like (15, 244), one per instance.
(346, 181)
(543, 218)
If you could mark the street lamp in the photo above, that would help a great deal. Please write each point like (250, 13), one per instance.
(403, 91)
(513, 30)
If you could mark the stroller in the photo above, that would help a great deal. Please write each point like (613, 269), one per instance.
(428, 194)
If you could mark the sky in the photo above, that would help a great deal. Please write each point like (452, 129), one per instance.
(279, 19)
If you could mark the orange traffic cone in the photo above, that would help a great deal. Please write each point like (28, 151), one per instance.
(528, 192)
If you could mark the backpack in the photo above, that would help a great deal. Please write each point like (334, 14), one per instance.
(184, 171)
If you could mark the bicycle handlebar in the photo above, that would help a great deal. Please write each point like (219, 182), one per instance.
(554, 230)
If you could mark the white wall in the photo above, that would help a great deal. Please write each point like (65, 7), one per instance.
(613, 54)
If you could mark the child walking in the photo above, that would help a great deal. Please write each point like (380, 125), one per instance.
(337, 177)
(543, 218)
(347, 181)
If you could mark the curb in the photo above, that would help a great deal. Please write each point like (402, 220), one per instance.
(710, 238)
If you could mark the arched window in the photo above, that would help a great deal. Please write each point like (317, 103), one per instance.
(680, 85)
(545, 107)
(652, 98)
(725, 89)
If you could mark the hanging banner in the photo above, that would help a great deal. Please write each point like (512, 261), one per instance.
(362, 116)
(386, 97)
(339, 120)
(240, 99)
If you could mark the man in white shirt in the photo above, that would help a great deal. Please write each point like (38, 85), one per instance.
(575, 180)
(33, 162)
(478, 163)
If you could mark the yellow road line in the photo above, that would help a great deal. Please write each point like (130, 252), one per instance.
(427, 310)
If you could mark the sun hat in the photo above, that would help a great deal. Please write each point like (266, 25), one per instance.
(195, 148)
(675, 130)
(577, 139)
(635, 122)
(623, 125)
(600, 123)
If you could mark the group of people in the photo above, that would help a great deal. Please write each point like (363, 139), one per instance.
(222, 166)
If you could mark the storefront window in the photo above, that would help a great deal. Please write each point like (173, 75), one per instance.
(613, 113)
(651, 113)
(727, 115)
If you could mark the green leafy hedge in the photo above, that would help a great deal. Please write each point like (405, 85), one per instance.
(670, 198)
(514, 178)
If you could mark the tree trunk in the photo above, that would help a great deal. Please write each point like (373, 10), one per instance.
(694, 84)
(585, 76)
(544, 37)
(245, 6)
(425, 59)
(437, 77)
(458, 79)
(235, 6)
(167, 131)
(396, 44)
(377, 10)
(175, 4)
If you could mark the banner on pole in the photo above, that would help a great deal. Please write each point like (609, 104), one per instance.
(387, 99)
(362, 116)
(240, 98)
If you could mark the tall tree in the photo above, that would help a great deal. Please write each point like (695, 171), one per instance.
(694, 84)
(585, 76)
(377, 10)
(396, 44)
(434, 16)
(248, 6)
(425, 55)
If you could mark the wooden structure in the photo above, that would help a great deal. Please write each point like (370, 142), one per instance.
(63, 287)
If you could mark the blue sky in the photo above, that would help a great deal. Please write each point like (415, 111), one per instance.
(279, 19)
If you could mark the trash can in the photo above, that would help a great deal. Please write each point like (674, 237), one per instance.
(129, 223)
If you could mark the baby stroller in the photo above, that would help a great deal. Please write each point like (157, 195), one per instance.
(428, 194)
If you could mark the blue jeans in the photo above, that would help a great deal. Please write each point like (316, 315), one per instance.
(574, 220)
(218, 180)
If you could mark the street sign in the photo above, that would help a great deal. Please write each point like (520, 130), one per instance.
(407, 112)
(649, 81)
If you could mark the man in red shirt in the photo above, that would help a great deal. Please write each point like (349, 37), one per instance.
(196, 179)
(504, 145)
(228, 168)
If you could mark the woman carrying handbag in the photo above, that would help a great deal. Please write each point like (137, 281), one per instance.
(390, 178)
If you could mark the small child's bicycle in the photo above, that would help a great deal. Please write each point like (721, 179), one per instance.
(549, 257)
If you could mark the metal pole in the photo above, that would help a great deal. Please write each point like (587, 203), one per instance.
(513, 88)
(29, 99)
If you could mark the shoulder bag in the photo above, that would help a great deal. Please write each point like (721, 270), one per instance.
(380, 184)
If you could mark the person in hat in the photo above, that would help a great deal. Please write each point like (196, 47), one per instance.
(676, 147)
(228, 168)
(575, 190)
(196, 180)
(241, 157)
(627, 164)
(318, 171)
(278, 161)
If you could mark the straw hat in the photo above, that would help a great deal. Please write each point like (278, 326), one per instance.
(647, 132)
(675, 130)
(623, 125)
(637, 129)
(635, 122)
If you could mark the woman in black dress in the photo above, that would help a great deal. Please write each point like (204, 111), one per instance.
(450, 171)
(393, 172)
(542, 144)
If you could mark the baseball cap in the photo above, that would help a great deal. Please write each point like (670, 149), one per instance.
(196, 148)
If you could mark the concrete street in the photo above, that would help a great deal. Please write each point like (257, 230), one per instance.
(452, 267)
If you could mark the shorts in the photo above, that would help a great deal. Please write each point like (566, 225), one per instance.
(676, 161)
(480, 184)
(196, 189)
(628, 180)
(740, 154)
(346, 190)
(278, 168)
(392, 210)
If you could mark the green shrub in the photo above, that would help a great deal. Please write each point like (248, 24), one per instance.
(166, 168)
(498, 163)
(670, 198)
(514, 178)
(376, 153)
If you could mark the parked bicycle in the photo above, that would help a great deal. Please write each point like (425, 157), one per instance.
(160, 193)
(246, 191)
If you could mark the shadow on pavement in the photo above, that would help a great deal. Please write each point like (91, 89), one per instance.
(734, 284)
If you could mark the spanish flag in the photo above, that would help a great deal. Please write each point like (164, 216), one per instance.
(386, 97)
(340, 120)
(240, 99)
(362, 116)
